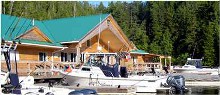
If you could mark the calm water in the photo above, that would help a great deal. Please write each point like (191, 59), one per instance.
(198, 90)
(205, 90)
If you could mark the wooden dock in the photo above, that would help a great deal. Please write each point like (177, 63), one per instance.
(104, 89)
(48, 77)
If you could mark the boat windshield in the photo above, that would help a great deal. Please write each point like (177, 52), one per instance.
(195, 62)
(95, 61)
(107, 62)
(101, 59)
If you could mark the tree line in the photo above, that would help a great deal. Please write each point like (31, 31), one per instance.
(179, 29)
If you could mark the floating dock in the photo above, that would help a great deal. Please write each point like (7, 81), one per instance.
(108, 89)
(100, 89)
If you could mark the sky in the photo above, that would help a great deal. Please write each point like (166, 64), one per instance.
(105, 3)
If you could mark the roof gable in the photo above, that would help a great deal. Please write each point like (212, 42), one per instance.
(73, 29)
(109, 31)
(35, 34)
(12, 26)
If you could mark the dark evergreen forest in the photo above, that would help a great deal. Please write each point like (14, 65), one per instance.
(179, 29)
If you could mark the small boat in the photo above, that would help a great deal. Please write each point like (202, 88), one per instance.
(98, 73)
(195, 66)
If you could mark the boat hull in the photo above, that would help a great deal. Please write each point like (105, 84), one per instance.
(197, 71)
(142, 83)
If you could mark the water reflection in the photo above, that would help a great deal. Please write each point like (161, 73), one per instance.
(205, 90)
(199, 90)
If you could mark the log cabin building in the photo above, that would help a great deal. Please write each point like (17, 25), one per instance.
(48, 44)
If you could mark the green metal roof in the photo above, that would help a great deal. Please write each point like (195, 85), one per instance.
(8, 29)
(139, 52)
(72, 29)
(57, 30)
(12, 27)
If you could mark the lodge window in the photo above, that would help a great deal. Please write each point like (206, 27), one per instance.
(63, 57)
(88, 43)
(73, 57)
(135, 60)
(42, 56)
(82, 57)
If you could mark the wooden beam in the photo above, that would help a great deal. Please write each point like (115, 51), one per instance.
(78, 54)
(94, 31)
(116, 32)
(115, 24)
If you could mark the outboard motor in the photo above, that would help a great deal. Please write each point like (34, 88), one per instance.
(177, 84)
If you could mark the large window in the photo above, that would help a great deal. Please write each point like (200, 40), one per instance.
(134, 59)
(42, 56)
(73, 57)
(68, 57)
(63, 57)
(82, 57)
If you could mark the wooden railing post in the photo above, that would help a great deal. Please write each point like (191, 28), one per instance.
(45, 69)
(29, 68)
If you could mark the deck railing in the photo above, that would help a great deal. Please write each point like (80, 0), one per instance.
(35, 67)
(146, 66)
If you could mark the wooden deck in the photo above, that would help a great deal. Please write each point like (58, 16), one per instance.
(34, 68)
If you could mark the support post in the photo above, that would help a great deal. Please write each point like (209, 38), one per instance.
(161, 65)
(165, 61)
(29, 68)
(45, 74)
(78, 54)
(170, 62)
(52, 65)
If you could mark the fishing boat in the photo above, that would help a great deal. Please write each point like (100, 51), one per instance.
(96, 72)
(195, 66)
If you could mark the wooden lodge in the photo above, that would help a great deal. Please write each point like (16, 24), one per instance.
(48, 44)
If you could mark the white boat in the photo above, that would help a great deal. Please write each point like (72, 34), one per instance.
(101, 74)
(29, 88)
(195, 66)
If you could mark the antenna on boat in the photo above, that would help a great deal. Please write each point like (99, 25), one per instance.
(98, 47)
